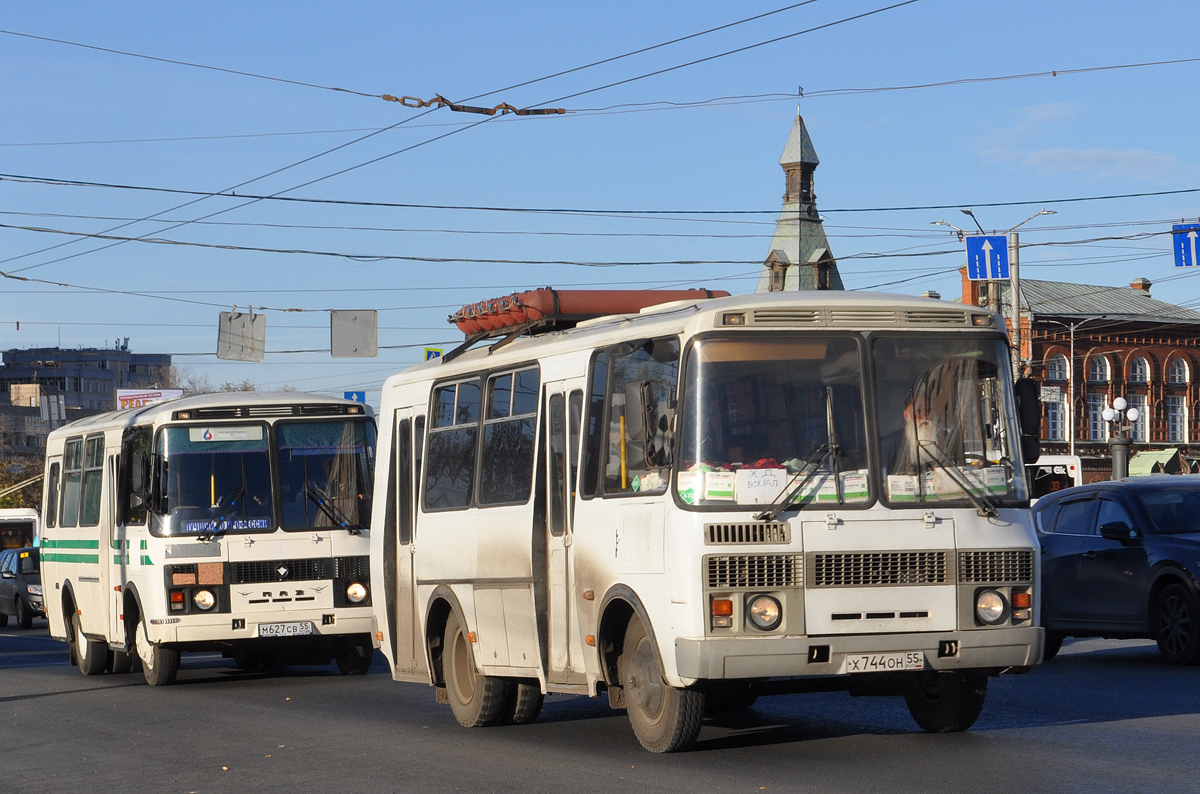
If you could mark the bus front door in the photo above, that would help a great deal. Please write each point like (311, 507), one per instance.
(565, 654)
(408, 647)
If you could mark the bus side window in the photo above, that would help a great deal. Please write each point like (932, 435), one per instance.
(574, 423)
(51, 500)
(642, 384)
(403, 481)
(93, 481)
(509, 429)
(558, 465)
(450, 470)
(418, 451)
(595, 425)
(72, 482)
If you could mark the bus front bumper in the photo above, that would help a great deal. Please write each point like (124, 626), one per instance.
(228, 627)
(769, 657)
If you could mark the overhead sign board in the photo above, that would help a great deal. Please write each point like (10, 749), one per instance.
(354, 333)
(356, 396)
(1183, 241)
(242, 336)
(432, 353)
(987, 257)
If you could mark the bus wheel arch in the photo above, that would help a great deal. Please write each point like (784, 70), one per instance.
(618, 608)
(442, 604)
(131, 611)
(68, 614)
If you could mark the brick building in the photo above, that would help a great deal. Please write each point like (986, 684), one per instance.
(1088, 345)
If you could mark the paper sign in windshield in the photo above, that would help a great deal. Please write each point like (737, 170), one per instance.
(203, 434)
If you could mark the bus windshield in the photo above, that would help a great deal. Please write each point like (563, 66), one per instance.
(325, 473)
(764, 416)
(945, 419)
(214, 479)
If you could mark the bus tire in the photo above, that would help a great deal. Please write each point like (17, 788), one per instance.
(1053, 645)
(946, 702)
(159, 665)
(23, 616)
(92, 656)
(665, 719)
(355, 656)
(477, 700)
(119, 662)
(524, 704)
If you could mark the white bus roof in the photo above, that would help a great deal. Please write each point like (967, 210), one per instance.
(827, 310)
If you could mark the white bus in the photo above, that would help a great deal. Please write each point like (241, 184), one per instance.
(221, 522)
(706, 501)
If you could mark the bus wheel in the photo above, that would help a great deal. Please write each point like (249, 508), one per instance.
(119, 662)
(946, 702)
(524, 703)
(664, 719)
(92, 656)
(476, 700)
(1053, 645)
(159, 664)
(244, 659)
(354, 657)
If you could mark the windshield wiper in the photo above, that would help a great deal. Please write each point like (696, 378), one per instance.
(808, 470)
(982, 502)
(331, 512)
(228, 501)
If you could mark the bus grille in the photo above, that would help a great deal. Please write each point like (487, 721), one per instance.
(787, 316)
(878, 569)
(754, 532)
(1010, 565)
(357, 569)
(746, 571)
(281, 571)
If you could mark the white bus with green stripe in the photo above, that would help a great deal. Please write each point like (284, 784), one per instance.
(234, 523)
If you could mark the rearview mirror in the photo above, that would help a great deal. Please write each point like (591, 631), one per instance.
(1029, 416)
(1119, 531)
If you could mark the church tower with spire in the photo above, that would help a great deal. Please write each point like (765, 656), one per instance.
(799, 257)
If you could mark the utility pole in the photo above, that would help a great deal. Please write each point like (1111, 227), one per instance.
(1014, 264)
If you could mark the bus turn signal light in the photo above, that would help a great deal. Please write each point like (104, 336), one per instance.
(722, 606)
(1022, 600)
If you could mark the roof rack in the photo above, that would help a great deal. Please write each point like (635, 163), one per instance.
(546, 309)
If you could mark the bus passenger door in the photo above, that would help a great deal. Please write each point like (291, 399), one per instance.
(114, 553)
(565, 408)
(404, 625)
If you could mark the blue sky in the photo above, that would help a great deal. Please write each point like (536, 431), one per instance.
(1035, 139)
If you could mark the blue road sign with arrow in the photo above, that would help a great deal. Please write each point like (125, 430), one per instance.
(987, 257)
(1183, 240)
(357, 396)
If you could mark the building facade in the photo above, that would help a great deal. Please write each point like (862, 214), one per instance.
(86, 378)
(1089, 345)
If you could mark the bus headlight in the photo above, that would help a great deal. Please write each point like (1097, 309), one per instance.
(356, 593)
(764, 612)
(990, 607)
(204, 600)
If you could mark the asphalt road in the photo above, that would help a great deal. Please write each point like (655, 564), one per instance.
(1103, 716)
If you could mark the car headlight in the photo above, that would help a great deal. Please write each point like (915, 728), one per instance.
(204, 600)
(991, 607)
(34, 589)
(357, 593)
(764, 612)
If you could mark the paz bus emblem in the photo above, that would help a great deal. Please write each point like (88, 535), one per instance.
(282, 571)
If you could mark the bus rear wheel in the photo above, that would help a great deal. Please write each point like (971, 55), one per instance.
(665, 719)
(524, 703)
(477, 700)
(92, 656)
(119, 662)
(946, 702)
(159, 665)
(355, 655)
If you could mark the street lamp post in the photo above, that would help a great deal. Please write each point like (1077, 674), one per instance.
(1120, 442)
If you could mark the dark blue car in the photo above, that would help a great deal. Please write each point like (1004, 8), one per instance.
(1122, 560)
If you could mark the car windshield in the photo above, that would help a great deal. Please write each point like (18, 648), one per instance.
(946, 419)
(214, 479)
(766, 415)
(325, 473)
(1173, 511)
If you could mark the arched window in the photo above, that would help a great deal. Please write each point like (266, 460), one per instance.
(1177, 372)
(1139, 371)
(1098, 370)
(1056, 367)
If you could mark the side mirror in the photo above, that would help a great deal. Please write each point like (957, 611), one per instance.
(1029, 416)
(647, 426)
(1118, 531)
(8, 575)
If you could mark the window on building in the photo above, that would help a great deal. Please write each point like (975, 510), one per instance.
(1177, 425)
(1097, 427)
(1056, 368)
(1098, 370)
(1177, 372)
(1055, 419)
(1139, 371)
(1140, 428)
